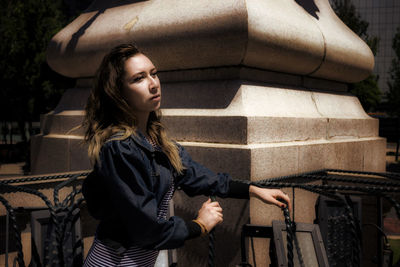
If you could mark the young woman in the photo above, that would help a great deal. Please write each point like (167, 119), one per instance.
(137, 168)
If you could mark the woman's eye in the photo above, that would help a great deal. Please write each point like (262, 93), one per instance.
(154, 74)
(137, 79)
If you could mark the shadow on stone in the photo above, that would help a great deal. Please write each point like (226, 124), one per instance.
(309, 6)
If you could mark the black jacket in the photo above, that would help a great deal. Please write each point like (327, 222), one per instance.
(125, 190)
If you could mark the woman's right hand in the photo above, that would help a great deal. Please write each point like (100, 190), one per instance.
(210, 214)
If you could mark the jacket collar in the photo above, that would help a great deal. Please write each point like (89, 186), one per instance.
(141, 140)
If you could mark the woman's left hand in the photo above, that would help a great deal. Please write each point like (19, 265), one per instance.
(270, 196)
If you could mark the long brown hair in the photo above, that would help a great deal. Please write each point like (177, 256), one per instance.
(107, 112)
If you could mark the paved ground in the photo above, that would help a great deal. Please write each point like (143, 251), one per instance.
(11, 169)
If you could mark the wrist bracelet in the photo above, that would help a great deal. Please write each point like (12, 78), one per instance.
(204, 230)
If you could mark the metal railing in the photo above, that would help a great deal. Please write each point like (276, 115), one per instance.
(61, 212)
(338, 185)
(334, 184)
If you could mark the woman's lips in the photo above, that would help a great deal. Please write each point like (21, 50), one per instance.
(156, 98)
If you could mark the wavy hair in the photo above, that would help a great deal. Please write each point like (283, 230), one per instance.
(108, 113)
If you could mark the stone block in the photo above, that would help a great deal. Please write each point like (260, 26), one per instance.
(79, 159)
(229, 129)
(219, 41)
(291, 37)
(347, 155)
(199, 96)
(234, 159)
(273, 160)
(285, 129)
(240, 112)
(274, 30)
(49, 154)
(58, 153)
(338, 105)
(326, 85)
(249, 74)
(63, 123)
(352, 128)
(340, 45)
(74, 99)
(315, 156)
(280, 159)
(375, 155)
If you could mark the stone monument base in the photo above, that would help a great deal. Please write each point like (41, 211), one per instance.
(279, 125)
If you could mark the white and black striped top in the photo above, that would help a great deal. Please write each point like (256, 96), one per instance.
(102, 255)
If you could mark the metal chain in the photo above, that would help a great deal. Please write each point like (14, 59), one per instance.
(289, 235)
(211, 243)
(366, 189)
(17, 233)
(41, 178)
(390, 175)
(351, 180)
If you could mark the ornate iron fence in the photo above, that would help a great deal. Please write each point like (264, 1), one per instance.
(339, 185)
(333, 184)
(61, 213)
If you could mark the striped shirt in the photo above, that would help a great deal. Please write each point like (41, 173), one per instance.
(102, 255)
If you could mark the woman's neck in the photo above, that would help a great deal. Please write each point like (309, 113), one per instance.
(142, 120)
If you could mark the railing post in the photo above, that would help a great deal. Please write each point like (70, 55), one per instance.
(379, 222)
(7, 235)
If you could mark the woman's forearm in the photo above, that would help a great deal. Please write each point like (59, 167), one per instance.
(269, 196)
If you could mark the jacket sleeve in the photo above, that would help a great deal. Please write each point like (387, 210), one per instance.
(134, 204)
(199, 180)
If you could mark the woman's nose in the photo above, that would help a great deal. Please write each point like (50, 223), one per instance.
(153, 84)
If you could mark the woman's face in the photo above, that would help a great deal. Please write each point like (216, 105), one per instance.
(141, 86)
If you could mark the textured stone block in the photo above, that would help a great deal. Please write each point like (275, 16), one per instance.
(292, 37)
(63, 123)
(229, 129)
(49, 154)
(315, 156)
(352, 128)
(241, 112)
(285, 129)
(375, 155)
(58, 153)
(234, 159)
(78, 156)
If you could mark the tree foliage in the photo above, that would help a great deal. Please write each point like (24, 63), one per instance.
(28, 86)
(393, 95)
(367, 91)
